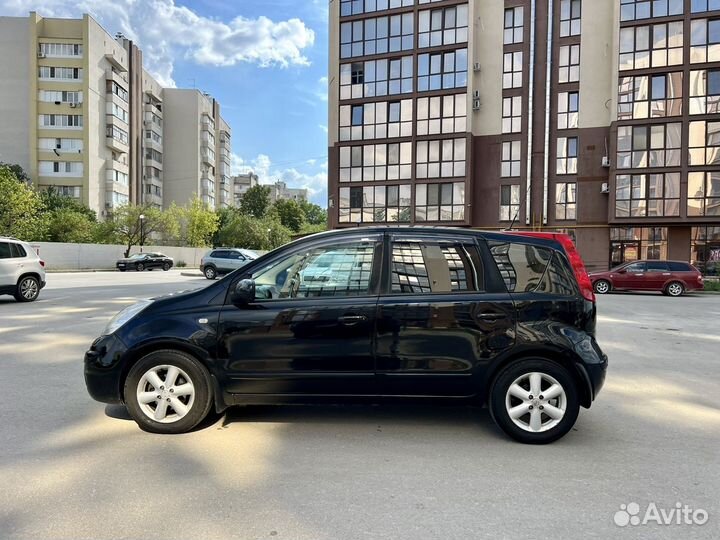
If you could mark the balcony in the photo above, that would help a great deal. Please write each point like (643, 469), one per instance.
(114, 75)
(150, 108)
(207, 156)
(117, 145)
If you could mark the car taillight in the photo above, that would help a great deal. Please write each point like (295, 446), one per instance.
(42, 263)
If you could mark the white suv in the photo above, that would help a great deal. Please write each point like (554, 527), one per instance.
(22, 273)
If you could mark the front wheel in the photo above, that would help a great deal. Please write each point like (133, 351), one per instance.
(28, 289)
(140, 267)
(534, 401)
(602, 286)
(168, 392)
(675, 289)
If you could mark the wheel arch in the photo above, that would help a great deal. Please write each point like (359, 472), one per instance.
(28, 274)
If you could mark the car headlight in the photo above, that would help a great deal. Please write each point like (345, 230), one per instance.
(125, 315)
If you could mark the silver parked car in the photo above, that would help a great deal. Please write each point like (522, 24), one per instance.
(22, 272)
(225, 260)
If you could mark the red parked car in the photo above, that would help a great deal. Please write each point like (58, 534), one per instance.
(673, 278)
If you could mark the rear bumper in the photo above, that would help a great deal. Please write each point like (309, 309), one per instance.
(104, 369)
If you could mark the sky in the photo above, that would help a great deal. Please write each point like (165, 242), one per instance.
(265, 61)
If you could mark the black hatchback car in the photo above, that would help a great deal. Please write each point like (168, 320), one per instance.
(501, 319)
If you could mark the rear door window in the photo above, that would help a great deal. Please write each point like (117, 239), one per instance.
(529, 268)
(219, 254)
(423, 267)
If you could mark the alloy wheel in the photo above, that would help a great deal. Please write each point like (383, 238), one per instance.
(165, 393)
(602, 287)
(29, 288)
(536, 402)
(675, 289)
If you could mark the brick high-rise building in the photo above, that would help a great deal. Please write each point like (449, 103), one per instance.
(598, 118)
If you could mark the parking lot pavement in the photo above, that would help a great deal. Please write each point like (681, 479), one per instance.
(73, 468)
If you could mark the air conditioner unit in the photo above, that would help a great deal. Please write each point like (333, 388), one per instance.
(41, 55)
(476, 66)
(476, 94)
(606, 162)
(604, 188)
(73, 105)
(476, 104)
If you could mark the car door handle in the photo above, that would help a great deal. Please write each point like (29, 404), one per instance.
(352, 320)
(492, 316)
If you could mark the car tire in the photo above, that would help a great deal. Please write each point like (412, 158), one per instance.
(166, 267)
(534, 419)
(210, 272)
(121, 269)
(602, 286)
(140, 267)
(28, 289)
(674, 289)
(190, 392)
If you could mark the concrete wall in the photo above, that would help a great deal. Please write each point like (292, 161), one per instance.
(61, 256)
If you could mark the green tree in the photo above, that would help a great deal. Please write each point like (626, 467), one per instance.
(17, 170)
(197, 224)
(66, 225)
(52, 201)
(314, 214)
(20, 208)
(225, 216)
(290, 213)
(247, 232)
(126, 226)
(256, 201)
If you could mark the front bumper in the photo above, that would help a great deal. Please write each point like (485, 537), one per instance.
(104, 369)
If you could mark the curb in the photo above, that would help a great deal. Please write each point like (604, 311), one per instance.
(191, 274)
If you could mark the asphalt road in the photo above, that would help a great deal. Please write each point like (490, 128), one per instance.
(70, 468)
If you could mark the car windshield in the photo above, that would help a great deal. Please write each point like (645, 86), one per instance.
(138, 256)
(249, 254)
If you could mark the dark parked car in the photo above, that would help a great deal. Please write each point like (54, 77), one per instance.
(672, 278)
(499, 319)
(145, 261)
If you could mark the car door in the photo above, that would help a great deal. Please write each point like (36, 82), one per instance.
(631, 276)
(235, 260)
(7, 266)
(305, 337)
(657, 275)
(439, 323)
(220, 260)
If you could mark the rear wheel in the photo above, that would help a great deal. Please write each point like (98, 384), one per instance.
(210, 272)
(534, 401)
(602, 286)
(168, 392)
(675, 289)
(28, 289)
(140, 267)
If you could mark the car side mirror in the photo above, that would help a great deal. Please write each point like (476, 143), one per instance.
(244, 293)
(623, 271)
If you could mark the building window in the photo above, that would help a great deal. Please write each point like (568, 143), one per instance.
(631, 10)
(647, 195)
(513, 25)
(379, 35)
(570, 18)
(60, 168)
(117, 90)
(376, 78)
(569, 65)
(119, 177)
(509, 202)
(151, 135)
(61, 50)
(699, 6)
(374, 204)
(568, 104)
(512, 114)
(512, 70)
(511, 155)
(704, 143)
(118, 134)
(443, 26)
(705, 91)
(153, 154)
(51, 121)
(440, 202)
(705, 41)
(60, 73)
(61, 145)
(658, 45)
(705, 250)
(567, 153)
(650, 96)
(356, 7)
(565, 201)
(376, 162)
(442, 70)
(441, 114)
(629, 244)
(57, 96)
(440, 159)
(115, 110)
(704, 194)
(649, 146)
(381, 120)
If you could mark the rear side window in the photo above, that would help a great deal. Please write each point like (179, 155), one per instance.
(679, 267)
(5, 250)
(218, 254)
(435, 267)
(528, 268)
(17, 251)
(657, 266)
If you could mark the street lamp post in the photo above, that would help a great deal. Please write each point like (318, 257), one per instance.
(142, 232)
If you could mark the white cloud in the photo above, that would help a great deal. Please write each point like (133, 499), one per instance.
(314, 182)
(165, 31)
(323, 127)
